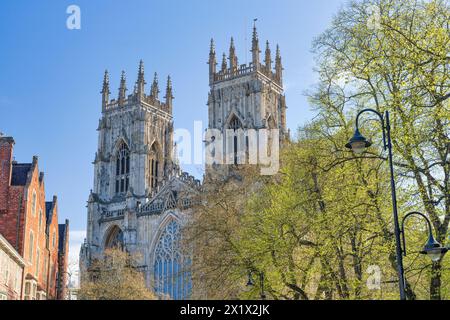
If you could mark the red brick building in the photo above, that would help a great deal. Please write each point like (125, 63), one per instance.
(29, 223)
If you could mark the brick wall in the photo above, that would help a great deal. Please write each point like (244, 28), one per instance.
(23, 222)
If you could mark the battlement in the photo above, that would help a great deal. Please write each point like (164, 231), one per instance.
(138, 94)
(133, 99)
(231, 70)
(244, 70)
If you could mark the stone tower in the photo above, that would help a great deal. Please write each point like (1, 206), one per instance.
(140, 197)
(244, 97)
(134, 131)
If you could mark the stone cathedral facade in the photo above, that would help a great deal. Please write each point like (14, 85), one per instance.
(141, 198)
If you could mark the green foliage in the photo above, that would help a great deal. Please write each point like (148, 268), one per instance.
(319, 227)
(398, 62)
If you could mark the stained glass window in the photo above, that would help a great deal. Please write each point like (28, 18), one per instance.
(171, 269)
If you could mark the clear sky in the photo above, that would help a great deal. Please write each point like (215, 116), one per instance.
(50, 76)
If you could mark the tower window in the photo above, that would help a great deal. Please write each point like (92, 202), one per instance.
(235, 124)
(154, 167)
(123, 169)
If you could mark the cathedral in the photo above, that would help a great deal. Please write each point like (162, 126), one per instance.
(141, 198)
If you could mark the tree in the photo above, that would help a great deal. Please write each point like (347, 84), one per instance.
(115, 278)
(318, 227)
(394, 55)
(321, 226)
(313, 229)
(218, 266)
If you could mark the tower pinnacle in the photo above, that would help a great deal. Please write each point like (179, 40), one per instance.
(154, 92)
(105, 90)
(224, 62)
(169, 95)
(212, 61)
(268, 58)
(255, 46)
(122, 89)
(233, 57)
(278, 66)
(140, 83)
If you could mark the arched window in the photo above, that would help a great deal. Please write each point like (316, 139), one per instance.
(33, 204)
(171, 269)
(114, 239)
(123, 169)
(235, 124)
(154, 164)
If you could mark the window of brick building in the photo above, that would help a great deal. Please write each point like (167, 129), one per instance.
(45, 271)
(36, 271)
(33, 293)
(40, 220)
(31, 244)
(33, 204)
(28, 290)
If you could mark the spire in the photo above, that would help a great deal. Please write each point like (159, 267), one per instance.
(233, 58)
(140, 83)
(212, 62)
(122, 89)
(154, 92)
(169, 95)
(255, 46)
(224, 62)
(105, 90)
(278, 66)
(268, 58)
(212, 50)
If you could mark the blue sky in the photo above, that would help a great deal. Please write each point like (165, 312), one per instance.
(51, 77)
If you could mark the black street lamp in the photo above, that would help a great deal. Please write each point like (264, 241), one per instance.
(250, 283)
(432, 249)
(359, 144)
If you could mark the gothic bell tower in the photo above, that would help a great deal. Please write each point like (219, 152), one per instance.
(134, 140)
(244, 97)
(133, 159)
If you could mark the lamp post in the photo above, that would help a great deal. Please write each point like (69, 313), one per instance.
(432, 248)
(250, 283)
(359, 144)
